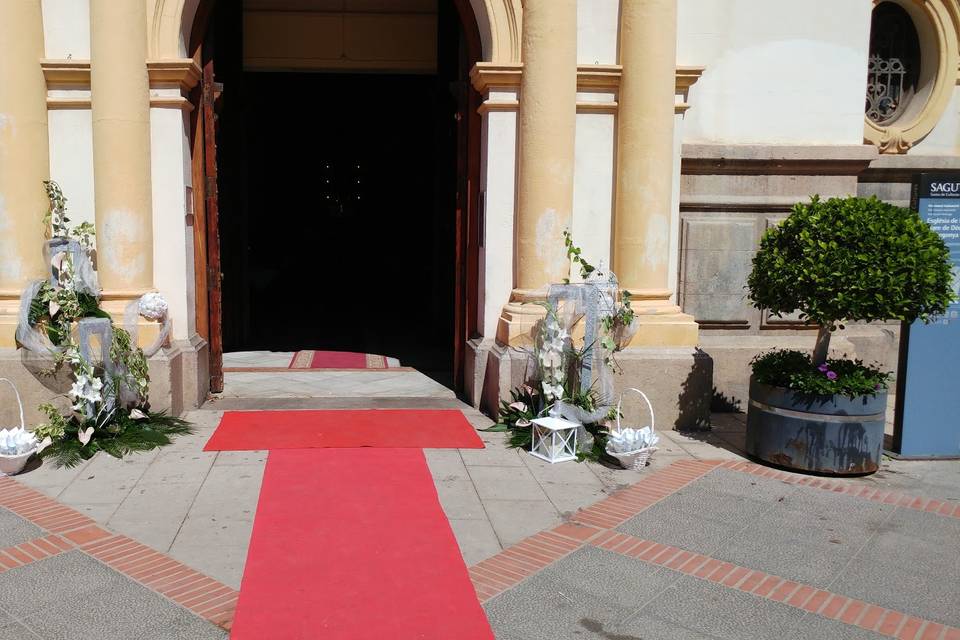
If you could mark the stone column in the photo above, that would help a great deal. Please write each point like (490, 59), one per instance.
(645, 162)
(547, 128)
(120, 104)
(24, 156)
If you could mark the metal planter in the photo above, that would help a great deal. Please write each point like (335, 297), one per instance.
(821, 434)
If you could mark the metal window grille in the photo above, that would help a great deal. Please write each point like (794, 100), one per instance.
(894, 63)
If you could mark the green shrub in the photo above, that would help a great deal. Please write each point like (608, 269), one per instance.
(851, 259)
(794, 370)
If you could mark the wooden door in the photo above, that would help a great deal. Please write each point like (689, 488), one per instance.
(468, 194)
(206, 227)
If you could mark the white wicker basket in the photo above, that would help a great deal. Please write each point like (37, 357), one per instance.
(638, 459)
(10, 465)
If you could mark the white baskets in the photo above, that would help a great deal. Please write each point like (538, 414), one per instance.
(13, 464)
(637, 459)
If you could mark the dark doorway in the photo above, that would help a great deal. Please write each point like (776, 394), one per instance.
(341, 195)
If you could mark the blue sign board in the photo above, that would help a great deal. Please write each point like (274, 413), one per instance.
(928, 402)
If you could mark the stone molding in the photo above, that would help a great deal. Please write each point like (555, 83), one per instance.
(902, 168)
(500, 23)
(754, 159)
(182, 73)
(942, 22)
(590, 77)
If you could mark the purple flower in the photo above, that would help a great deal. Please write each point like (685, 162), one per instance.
(824, 368)
(877, 387)
(831, 375)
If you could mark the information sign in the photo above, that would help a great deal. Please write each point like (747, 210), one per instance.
(928, 389)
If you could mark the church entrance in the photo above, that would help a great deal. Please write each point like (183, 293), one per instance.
(347, 148)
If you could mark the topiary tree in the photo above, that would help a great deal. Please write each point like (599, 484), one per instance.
(851, 259)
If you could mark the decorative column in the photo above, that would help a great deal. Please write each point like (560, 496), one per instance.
(547, 129)
(120, 105)
(24, 156)
(645, 163)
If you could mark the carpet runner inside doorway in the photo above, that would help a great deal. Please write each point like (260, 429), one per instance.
(351, 542)
(337, 360)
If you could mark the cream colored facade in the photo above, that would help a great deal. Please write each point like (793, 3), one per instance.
(666, 134)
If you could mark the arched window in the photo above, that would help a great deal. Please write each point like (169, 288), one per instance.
(894, 66)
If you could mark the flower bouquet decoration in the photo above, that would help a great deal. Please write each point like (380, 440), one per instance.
(109, 396)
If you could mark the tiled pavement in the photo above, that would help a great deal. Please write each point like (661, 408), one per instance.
(197, 508)
(712, 549)
(62, 576)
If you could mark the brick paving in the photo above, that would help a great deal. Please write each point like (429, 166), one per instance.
(173, 528)
(596, 527)
(70, 530)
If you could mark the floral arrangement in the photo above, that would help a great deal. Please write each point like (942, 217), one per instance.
(620, 323)
(556, 387)
(795, 370)
(553, 341)
(109, 407)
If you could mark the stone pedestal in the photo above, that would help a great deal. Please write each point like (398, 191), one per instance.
(179, 381)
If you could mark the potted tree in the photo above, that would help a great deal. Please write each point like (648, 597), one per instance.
(843, 259)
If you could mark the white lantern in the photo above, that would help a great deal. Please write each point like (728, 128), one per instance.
(554, 439)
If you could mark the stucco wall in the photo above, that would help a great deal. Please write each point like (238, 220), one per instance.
(777, 71)
(597, 25)
(71, 160)
(66, 33)
(66, 28)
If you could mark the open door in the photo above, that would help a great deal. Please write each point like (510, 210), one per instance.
(214, 275)
(206, 233)
(468, 196)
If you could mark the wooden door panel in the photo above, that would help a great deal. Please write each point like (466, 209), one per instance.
(214, 275)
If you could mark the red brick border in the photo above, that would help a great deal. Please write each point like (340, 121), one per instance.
(514, 564)
(69, 529)
(940, 507)
(594, 526)
(31, 551)
(801, 596)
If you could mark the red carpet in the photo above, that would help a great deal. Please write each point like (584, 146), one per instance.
(394, 428)
(336, 360)
(352, 544)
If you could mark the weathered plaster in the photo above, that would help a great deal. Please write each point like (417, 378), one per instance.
(777, 71)
(120, 243)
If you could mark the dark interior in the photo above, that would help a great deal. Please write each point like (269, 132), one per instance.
(337, 205)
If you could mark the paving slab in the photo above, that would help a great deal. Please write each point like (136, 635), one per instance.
(506, 483)
(476, 539)
(514, 520)
(707, 514)
(72, 596)
(813, 627)
(154, 513)
(570, 598)
(912, 565)
(11, 629)
(14, 529)
(459, 499)
(807, 534)
(713, 611)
